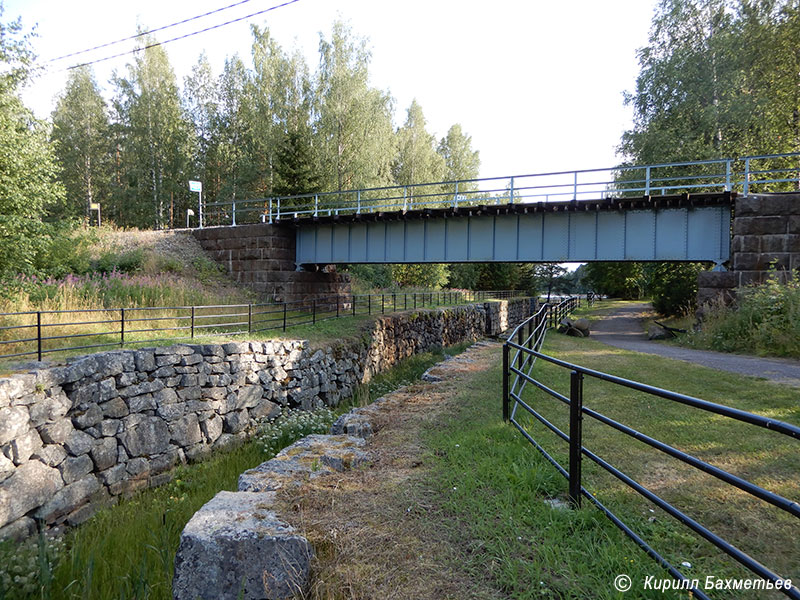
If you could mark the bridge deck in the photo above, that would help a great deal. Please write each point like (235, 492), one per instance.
(682, 227)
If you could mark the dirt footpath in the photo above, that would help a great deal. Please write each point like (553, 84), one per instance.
(623, 329)
(362, 523)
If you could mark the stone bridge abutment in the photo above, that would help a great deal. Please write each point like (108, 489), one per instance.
(765, 239)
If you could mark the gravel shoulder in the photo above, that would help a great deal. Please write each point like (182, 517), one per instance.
(623, 329)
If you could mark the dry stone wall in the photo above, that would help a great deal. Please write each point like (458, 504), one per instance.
(75, 437)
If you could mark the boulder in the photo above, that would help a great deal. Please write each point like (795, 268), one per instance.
(235, 547)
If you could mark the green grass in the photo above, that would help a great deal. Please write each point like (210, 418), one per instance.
(490, 484)
(128, 550)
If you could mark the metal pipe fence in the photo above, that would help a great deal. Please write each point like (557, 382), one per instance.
(744, 175)
(525, 343)
(40, 333)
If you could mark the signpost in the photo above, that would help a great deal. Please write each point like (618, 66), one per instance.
(96, 206)
(197, 186)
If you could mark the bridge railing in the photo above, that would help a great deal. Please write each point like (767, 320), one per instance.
(773, 172)
(518, 372)
(37, 334)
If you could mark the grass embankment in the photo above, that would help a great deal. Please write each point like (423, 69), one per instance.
(128, 550)
(489, 484)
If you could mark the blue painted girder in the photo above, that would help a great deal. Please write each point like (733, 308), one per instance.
(650, 234)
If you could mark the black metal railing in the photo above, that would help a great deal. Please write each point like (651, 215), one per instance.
(517, 373)
(39, 333)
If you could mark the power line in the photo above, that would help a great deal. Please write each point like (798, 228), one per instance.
(181, 37)
(138, 35)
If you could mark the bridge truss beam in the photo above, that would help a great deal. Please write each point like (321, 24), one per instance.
(660, 228)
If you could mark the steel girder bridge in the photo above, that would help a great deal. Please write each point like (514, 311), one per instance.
(663, 212)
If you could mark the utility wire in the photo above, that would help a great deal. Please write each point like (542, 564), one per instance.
(138, 35)
(180, 37)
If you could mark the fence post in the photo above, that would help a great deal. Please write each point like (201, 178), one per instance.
(249, 318)
(746, 187)
(314, 311)
(575, 436)
(415, 300)
(394, 301)
(192, 323)
(284, 316)
(383, 302)
(121, 327)
(369, 304)
(233, 214)
(39, 334)
(354, 304)
(337, 307)
(405, 301)
(505, 382)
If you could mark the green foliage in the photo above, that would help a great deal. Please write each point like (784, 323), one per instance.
(366, 278)
(419, 275)
(207, 269)
(417, 160)
(355, 138)
(154, 141)
(460, 160)
(765, 320)
(126, 262)
(491, 276)
(616, 279)
(717, 78)
(673, 287)
(80, 135)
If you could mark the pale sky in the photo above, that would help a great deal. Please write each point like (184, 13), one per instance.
(537, 84)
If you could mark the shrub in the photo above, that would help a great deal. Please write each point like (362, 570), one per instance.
(765, 321)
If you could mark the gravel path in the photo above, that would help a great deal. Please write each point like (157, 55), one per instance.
(623, 329)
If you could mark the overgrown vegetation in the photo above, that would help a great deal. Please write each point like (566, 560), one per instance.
(764, 320)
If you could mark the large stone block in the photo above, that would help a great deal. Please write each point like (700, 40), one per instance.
(14, 422)
(68, 499)
(31, 485)
(186, 431)
(759, 225)
(150, 436)
(310, 457)
(235, 546)
(104, 454)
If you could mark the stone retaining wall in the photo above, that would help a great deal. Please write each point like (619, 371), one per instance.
(74, 438)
